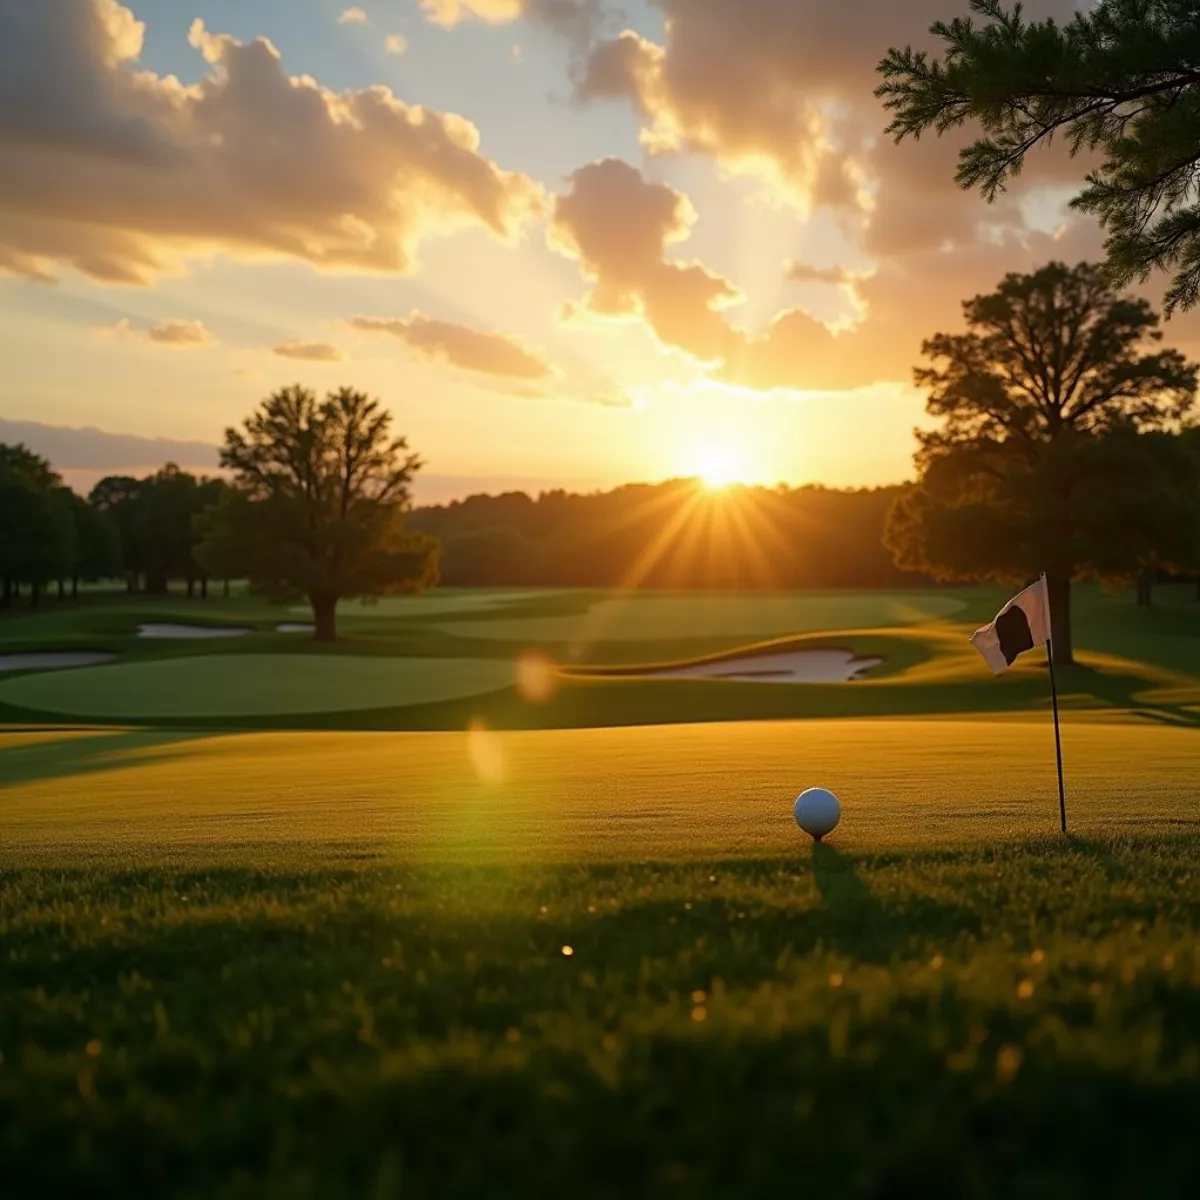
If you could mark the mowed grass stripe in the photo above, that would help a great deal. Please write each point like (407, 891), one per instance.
(238, 685)
(648, 616)
(669, 792)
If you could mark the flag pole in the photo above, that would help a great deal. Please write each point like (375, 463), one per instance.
(1062, 795)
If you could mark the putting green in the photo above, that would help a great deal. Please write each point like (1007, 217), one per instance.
(241, 685)
(673, 792)
(642, 617)
(398, 607)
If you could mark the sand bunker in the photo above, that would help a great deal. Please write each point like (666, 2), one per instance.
(190, 631)
(51, 659)
(796, 666)
(293, 627)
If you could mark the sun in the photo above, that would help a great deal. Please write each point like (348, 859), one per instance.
(719, 466)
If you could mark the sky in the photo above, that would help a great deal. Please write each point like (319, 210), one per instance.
(568, 243)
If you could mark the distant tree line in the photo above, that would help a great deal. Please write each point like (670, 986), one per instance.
(669, 535)
(141, 530)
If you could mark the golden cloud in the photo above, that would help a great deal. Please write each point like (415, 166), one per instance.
(175, 334)
(353, 16)
(444, 341)
(319, 352)
(448, 13)
(125, 175)
(781, 91)
(618, 227)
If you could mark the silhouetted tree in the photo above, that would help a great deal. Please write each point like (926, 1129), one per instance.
(97, 543)
(120, 498)
(1011, 484)
(1121, 79)
(36, 527)
(319, 491)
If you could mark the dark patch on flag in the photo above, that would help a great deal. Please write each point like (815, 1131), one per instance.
(1013, 633)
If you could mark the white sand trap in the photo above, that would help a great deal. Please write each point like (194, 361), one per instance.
(293, 627)
(190, 631)
(797, 666)
(51, 659)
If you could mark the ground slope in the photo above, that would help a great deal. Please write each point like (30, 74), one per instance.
(600, 962)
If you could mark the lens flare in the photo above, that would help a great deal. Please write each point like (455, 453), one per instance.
(486, 753)
(535, 678)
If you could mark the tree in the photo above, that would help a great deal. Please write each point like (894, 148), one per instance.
(120, 498)
(1122, 79)
(36, 529)
(1025, 472)
(97, 543)
(319, 491)
(170, 500)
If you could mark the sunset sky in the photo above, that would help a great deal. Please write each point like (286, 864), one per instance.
(568, 243)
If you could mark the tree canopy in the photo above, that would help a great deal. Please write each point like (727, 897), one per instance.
(38, 535)
(1047, 457)
(315, 510)
(1121, 81)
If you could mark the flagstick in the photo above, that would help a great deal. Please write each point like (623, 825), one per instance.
(1062, 796)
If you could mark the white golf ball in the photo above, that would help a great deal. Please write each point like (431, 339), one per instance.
(817, 812)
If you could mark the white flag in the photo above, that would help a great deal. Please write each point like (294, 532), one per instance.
(1022, 624)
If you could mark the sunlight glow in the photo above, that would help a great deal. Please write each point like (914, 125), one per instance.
(719, 466)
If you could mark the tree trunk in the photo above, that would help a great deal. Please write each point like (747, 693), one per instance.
(1060, 621)
(74, 587)
(62, 589)
(324, 618)
(1145, 588)
(203, 587)
(226, 589)
(35, 594)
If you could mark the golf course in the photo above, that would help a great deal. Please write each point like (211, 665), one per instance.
(600, 600)
(404, 915)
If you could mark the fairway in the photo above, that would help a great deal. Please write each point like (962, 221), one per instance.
(348, 964)
(650, 617)
(630, 794)
(248, 685)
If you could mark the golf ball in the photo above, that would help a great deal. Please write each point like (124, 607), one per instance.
(817, 812)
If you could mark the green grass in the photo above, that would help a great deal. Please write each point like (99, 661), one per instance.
(651, 617)
(231, 686)
(332, 964)
(1131, 660)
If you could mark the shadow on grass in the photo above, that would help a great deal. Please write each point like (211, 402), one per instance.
(87, 753)
(855, 922)
(1121, 690)
(335, 1033)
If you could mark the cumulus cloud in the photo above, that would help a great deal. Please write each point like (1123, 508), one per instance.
(448, 13)
(751, 126)
(125, 175)
(581, 21)
(460, 345)
(180, 333)
(319, 352)
(618, 226)
(353, 16)
(175, 334)
(779, 89)
(782, 91)
(395, 43)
